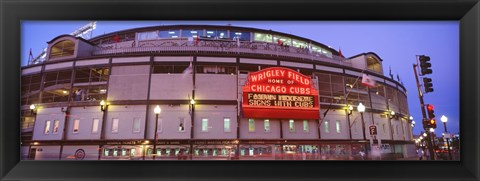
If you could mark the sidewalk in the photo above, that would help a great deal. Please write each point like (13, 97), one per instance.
(410, 158)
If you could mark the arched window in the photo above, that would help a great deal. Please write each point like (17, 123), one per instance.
(62, 48)
(374, 64)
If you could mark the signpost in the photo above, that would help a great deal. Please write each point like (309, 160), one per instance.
(376, 151)
(373, 130)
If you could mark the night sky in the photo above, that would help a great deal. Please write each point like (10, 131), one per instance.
(396, 42)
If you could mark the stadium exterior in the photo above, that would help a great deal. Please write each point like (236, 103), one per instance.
(201, 78)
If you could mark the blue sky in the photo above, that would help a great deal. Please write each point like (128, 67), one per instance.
(396, 42)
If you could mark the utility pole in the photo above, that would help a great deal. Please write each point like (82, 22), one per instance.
(424, 114)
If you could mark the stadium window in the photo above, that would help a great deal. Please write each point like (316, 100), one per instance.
(83, 81)
(226, 125)
(243, 36)
(251, 125)
(215, 69)
(306, 72)
(204, 125)
(282, 40)
(170, 34)
(216, 34)
(56, 86)
(169, 69)
(115, 125)
(30, 89)
(150, 35)
(76, 125)
(263, 37)
(326, 127)
(266, 125)
(299, 44)
(247, 68)
(316, 49)
(132, 152)
(305, 126)
(95, 74)
(163, 69)
(62, 49)
(106, 152)
(136, 125)
(95, 125)
(374, 64)
(337, 126)
(56, 124)
(47, 127)
(192, 33)
(291, 125)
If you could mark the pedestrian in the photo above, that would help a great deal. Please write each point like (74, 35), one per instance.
(419, 153)
(362, 154)
(74, 95)
(84, 94)
(427, 154)
(78, 95)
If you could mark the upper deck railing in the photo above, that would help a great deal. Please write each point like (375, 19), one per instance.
(208, 46)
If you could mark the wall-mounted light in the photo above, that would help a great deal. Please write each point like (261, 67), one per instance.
(361, 108)
(350, 109)
(392, 114)
(157, 110)
(191, 105)
(103, 105)
(33, 109)
(413, 123)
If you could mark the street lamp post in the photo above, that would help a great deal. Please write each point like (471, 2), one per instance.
(33, 109)
(391, 115)
(157, 111)
(431, 135)
(349, 112)
(413, 125)
(444, 120)
(421, 141)
(361, 109)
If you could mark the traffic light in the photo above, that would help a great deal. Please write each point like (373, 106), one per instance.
(430, 110)
(425, 65)
(427, 84)
(432, 123)
(425, 124)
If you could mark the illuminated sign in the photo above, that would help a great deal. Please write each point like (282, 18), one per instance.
(279, 93)
(288, 101)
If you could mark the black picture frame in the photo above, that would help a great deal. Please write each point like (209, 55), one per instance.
(467, 12)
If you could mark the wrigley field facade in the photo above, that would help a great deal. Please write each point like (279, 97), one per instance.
(204, 92)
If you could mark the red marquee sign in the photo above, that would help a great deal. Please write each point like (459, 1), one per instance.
(279, 93)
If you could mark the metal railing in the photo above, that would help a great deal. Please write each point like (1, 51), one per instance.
(207, 46)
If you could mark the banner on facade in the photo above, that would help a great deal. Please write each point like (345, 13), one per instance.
(281, 93)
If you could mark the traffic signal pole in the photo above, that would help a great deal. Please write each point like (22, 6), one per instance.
(424, 113)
